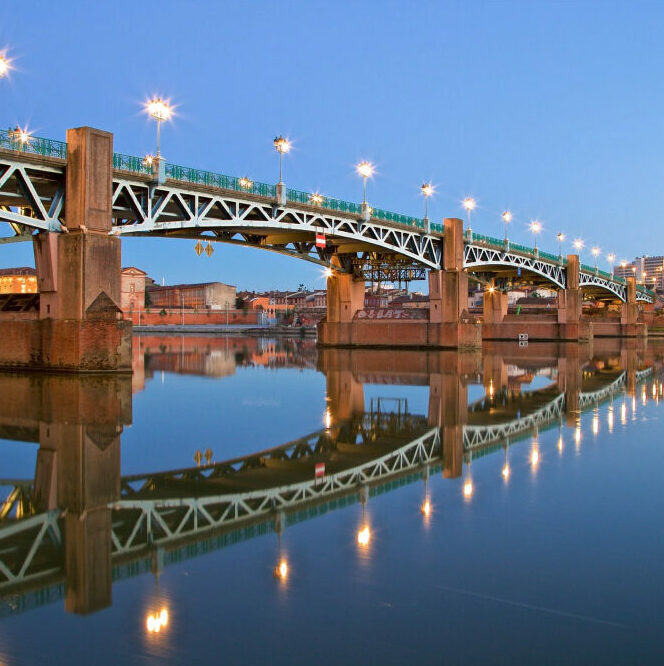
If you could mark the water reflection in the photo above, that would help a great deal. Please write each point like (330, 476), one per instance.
(78, 524)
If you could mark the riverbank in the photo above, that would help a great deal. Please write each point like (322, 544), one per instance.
(220, 329)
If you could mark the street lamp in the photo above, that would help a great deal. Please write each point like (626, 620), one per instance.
(561, 238)
(535, 227)
(507, 218)
(161, 111)
(611, 257)
(19, 135)
(365, 169)
(427, 191)
(595, 252)
(282, 145)
(469, 204)
(578, 245)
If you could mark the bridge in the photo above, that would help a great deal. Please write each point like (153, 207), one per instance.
(75, 200)
(143, 522)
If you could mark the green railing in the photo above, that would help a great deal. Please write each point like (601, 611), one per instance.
(199, 177)
(488, 240)
(131, 163)
(343, 206)
(14, 139)
(388, 216)
(437, 228)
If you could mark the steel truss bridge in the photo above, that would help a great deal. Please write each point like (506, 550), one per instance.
(188, 203)
(183, 513)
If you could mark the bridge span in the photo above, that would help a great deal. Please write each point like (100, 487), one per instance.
(75, 200)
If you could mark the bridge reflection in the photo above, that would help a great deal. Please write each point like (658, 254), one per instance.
(78, 525)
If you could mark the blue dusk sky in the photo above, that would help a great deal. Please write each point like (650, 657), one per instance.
(554, 110)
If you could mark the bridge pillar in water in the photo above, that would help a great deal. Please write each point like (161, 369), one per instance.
(630, 326)
(78, 471)
(570, 376)
(570, 324)
(449, 322)
(345, 297)
(80, 325)
(495, 305)
(448, 410)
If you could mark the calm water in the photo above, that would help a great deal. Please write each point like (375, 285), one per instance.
(503, 507)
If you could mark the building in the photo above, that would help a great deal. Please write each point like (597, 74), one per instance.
(21, 280)
(199, 296)
(647, 270)
(132, 289)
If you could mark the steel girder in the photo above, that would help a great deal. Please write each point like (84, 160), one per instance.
(587, 279)
(476, 437)
(31, 197)
(160, 521)
(140, 208)
(480, 256)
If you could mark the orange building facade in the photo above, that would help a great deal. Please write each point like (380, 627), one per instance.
(18, 280)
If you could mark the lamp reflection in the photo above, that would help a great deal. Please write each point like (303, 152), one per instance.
(156, 621)
(609, 418)
(281, 570)
(534, 456)
(363, 536)
(595, 425)
(506, 467)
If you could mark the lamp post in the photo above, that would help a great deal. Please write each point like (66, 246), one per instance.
(611, 257)
(595, 252)
(507, 218)
(535, 227)
(469, 204)
(365, 169)
(427, 191)
(19, 136)
(282, 146)
(561, 238)
(161, 111)
(578, 245)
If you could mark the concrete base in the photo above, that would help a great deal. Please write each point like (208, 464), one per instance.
(362, 333)
(66, 345)
(537, 327)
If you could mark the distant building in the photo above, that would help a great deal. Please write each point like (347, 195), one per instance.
(647, 270)
(199, 296)
(132, 289)
(21, 280)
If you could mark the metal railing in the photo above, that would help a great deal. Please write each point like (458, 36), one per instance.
(131, 163)
(15, 139)
(199, 177)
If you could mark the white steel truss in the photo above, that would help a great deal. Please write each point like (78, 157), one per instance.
(229, 216)
(480, 256)
(159, 521)
(475, 437)
(588, 279)
(32, 199)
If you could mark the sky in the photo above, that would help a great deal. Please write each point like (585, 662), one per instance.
(553, 110)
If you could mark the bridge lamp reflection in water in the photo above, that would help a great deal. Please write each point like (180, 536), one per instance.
(506, 471)
(156, 621)
(281, 570)
(595, 425)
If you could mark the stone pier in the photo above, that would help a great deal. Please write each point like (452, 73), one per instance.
(448, 324)
(80, 326)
